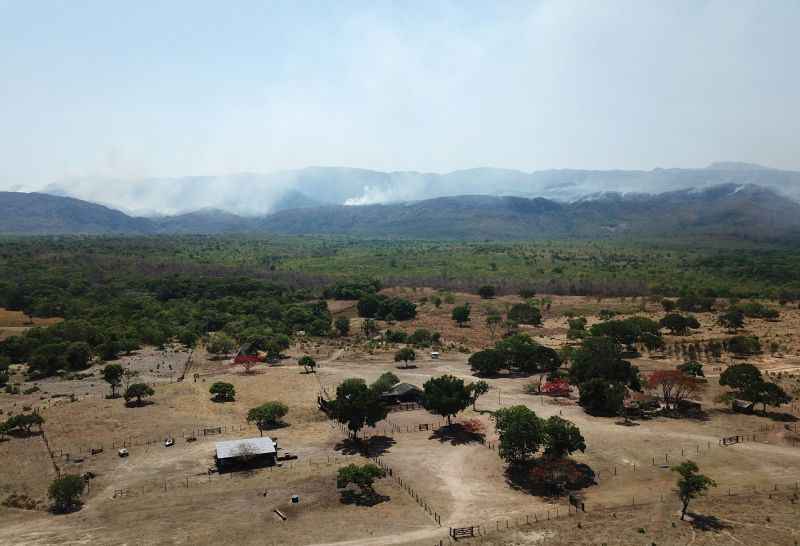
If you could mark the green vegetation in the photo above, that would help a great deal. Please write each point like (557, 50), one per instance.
(516, 353)
(523, 433)
(268, 415)
(363, 476)
(65, 492)
(405, 355)
(357, 406)
(137, 391)
(308, 363)
(222, 392)
(447, 396)
(113, 374)
(691, 484)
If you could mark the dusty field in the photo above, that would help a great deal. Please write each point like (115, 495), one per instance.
(14, 323)
(164, 495)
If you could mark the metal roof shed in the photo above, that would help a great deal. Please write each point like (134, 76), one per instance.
(232, 449)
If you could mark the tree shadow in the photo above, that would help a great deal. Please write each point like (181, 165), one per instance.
(135, 404)
(20, 433)
(457, 434)
(409, 367)
(549, 479)
(372, 447)
(358, 498)
(707, 523)
(781, 417)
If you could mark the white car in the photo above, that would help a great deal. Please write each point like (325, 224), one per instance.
(169, 442)
(122, 452)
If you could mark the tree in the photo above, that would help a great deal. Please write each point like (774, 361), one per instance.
(78, 355)
(384, 383)
(601, 358)
(308, 363)
(446, 396)
(691, 484)
(112, 374)
(525, 313)
(668, 305)
(692, 368)
(487, 362)
(520, 352)
(357, 406)
(678, 324)
(223, 392)
(740, 377)
(138, 391)
(487, 292)
(766, 393)
(674, 385)
(363, 476)
(405, 355)
(342, 326)
(732, 319)
(521, 433)
(24, 422)
(744, 345)
(268, 415)
(562, 438)
(527, 293)
(369, 327)
(65, 492)
(220, 343)
(477, 389)
(493, 322)
(460, 314)
(602, 397)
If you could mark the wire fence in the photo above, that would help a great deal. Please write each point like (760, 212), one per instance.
(183, 438)
(187, 481)
(477, 530)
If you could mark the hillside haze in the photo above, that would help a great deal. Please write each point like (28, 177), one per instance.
(253, 194)
(726, 211)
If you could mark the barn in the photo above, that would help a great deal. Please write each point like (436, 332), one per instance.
(247, 452)
(403, 393)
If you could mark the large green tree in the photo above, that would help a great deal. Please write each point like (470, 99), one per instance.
(112, 374)
(521, 432)
(357, 406)
(268, 415)
(562, 438)
(138, 391)
(446, 396)
(65, 492)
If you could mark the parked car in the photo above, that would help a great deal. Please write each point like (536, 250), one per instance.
(169, 442)
(122, 452)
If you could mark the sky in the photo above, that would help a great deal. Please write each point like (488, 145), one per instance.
(132, 90)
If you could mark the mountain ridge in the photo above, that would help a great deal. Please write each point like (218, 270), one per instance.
(729, 210)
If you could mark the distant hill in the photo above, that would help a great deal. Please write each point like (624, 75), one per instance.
(39, 214)
(254, 194)
(730, 210)
(726, 211)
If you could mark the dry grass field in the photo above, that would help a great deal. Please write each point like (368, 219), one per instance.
(162, 495)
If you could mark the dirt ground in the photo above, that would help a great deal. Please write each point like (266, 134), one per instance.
(161, 495)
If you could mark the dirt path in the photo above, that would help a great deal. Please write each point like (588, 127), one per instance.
(402, 538)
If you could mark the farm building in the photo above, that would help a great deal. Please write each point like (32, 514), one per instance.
(246, 452)
(403, 393)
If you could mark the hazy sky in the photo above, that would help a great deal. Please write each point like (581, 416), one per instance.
(135, 89)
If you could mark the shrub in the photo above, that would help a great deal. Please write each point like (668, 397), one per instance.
(223, 392)
(65, 492)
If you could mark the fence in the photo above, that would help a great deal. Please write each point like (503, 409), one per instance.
(408, 489)
(198, 432)
(481, 529)
(151, 487)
